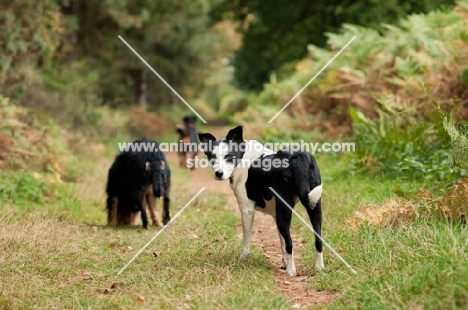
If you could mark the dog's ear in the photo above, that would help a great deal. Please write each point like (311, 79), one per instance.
(205, 137)
(235, 134)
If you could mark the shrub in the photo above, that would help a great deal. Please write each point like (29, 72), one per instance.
(397, 146)
(21, 187)
(146, 124)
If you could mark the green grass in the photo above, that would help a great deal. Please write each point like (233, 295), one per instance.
(60, 255)
(421, 264)
(57, 252)
(405, 267)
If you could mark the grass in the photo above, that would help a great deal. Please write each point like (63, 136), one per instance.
(417, 265)
(57, 253)
(405, 267)
(60, 255)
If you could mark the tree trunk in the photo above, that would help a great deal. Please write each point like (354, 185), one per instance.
(174, 98)
(71, 12)
(143, 92)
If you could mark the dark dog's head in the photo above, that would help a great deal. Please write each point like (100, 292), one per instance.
(190, 121)
(224, 155)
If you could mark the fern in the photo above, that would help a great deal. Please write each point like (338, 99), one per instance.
(458, 154)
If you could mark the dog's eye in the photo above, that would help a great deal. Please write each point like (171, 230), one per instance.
(228, 157)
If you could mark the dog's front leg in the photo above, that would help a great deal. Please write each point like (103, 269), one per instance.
(247, 226)
(151, 202)
(247, 209)
(142, 207)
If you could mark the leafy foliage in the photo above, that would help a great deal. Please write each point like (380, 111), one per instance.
(21, 188)
(278, 33)
(172, 36)
(459, 149)
(382, 92)
(395, 146)
(29, 33)
(80, 38)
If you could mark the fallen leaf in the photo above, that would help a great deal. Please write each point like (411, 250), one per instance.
(141, 299)
(114, 285)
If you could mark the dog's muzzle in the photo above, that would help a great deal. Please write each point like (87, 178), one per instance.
(219, 174)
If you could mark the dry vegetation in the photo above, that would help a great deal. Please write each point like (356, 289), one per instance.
(30, 141)
(407, 69)
(450, 206)
(141, 123)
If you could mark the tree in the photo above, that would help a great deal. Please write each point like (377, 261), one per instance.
(30, 33)
(169, 35)
(276, 32)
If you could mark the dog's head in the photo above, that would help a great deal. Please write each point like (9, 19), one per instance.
(226, 154)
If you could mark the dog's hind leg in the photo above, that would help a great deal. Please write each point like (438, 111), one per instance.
(151, 201)
(283, 223)
(130, 219)
(283, 248)
(315, 216)
(112, 204)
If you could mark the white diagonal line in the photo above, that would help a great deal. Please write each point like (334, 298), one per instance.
(312, 79)
(312, 229)
(159, 232)
(163, 80)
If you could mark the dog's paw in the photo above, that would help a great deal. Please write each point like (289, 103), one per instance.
(290, 271)
(319, 261)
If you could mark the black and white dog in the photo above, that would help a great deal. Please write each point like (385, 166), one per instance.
(252, 169)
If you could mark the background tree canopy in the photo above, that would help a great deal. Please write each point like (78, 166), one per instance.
(170, 35)
(72, 46)
(277, 32)
(78, 39)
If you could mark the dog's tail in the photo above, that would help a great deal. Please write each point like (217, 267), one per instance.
(307, 178)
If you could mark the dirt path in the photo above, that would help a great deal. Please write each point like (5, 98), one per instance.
(265, 236)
